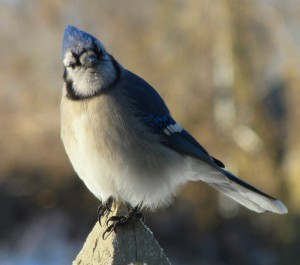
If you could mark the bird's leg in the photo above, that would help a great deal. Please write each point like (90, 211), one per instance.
(118, 221)
(104, 208)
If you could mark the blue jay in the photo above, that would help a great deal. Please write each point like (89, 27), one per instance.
(123, 142)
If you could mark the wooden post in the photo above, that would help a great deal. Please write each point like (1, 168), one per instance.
(132, 244)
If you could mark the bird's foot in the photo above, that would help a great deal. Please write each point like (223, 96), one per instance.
(104, 208)
(118, 221)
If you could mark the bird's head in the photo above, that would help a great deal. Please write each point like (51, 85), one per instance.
(89, 69)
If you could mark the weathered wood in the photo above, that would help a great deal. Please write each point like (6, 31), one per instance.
(132, 244)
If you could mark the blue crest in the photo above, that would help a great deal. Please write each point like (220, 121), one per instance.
(77, 40)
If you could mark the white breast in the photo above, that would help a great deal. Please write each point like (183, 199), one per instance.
(83, 135)
(113, 157)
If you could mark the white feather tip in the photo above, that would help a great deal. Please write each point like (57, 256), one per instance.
(281, 208)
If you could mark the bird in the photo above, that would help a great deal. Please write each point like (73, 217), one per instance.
(124, 143)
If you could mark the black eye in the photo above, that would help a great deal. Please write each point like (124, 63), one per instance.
(89, 59)
(92, 58)
(74, 61)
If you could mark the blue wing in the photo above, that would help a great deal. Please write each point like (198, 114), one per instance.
(178, 138)
(185, 143)
(151, 109)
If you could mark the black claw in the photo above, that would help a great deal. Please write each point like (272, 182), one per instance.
(114, 219)
(104, 208)
(140, 216)
(99, 213)
(118, 221)
(108, 231)
(109, 203)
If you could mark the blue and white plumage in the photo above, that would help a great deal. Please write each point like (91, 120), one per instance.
(122, 140)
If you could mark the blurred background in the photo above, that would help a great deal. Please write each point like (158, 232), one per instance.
(229, 71)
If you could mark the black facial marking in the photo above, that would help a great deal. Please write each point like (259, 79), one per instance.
(73, 95)
(77, 61)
